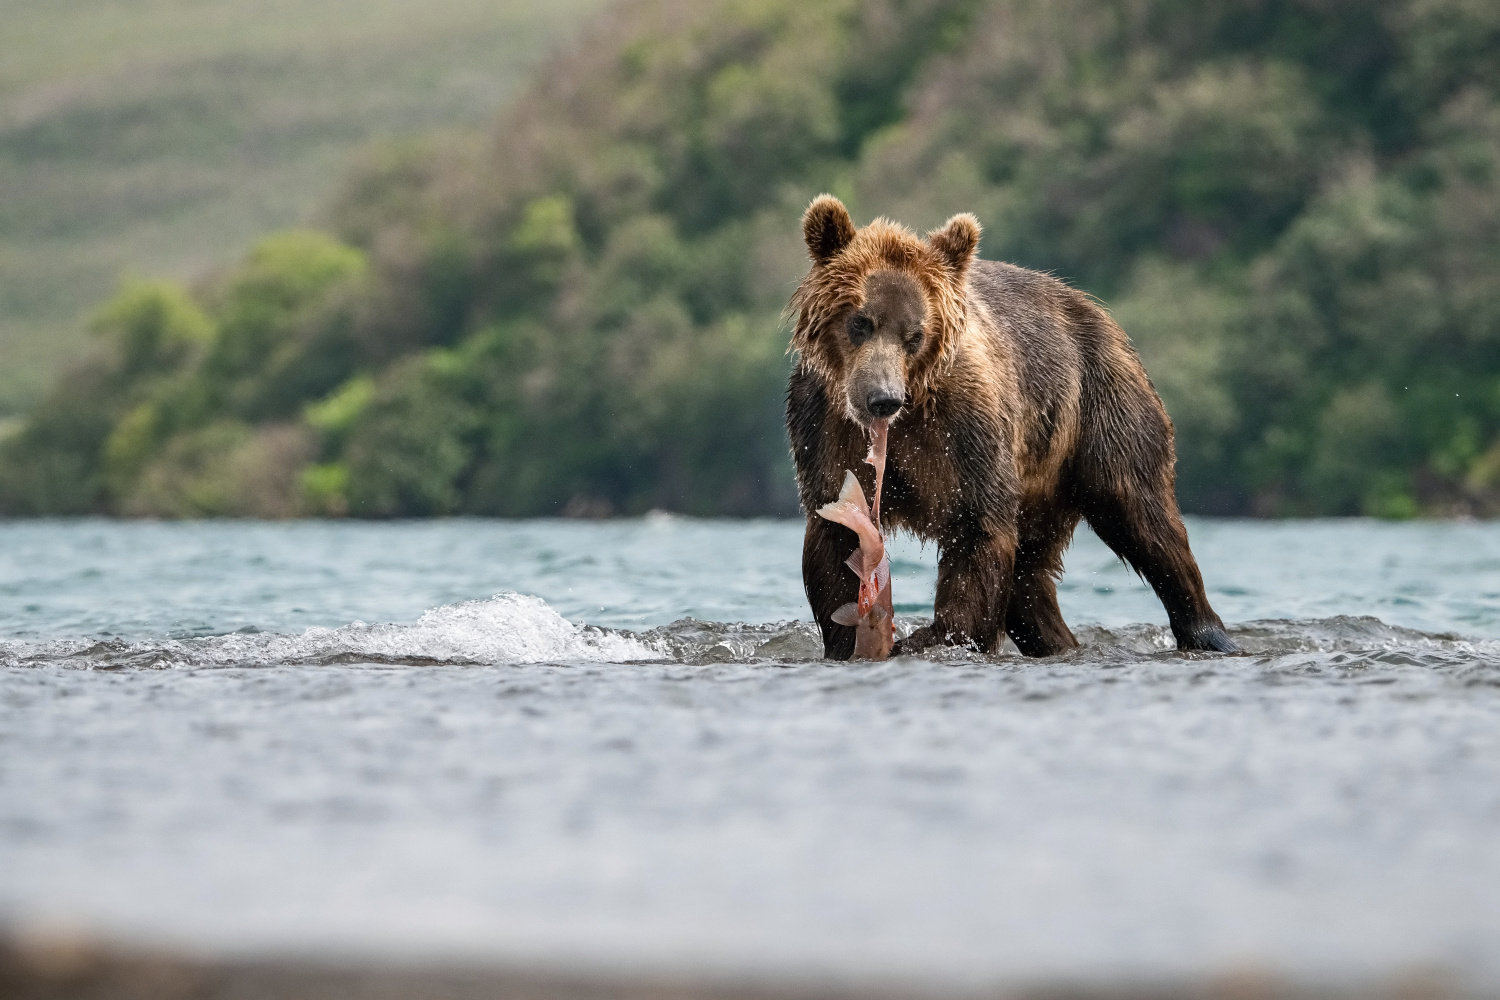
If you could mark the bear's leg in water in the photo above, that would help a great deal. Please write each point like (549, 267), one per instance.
(828, 582)
(975, 575)
(1034, 620)
(1145, 529)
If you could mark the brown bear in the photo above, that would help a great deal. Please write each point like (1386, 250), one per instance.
(1017, 407)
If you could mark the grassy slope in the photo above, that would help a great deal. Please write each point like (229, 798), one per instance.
(159, 137)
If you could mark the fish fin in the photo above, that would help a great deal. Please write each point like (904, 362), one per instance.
(856, 562)
(840, 513)
(883, 575)
(851, 492)
(850, 508)
(850, 511)
(848, 614)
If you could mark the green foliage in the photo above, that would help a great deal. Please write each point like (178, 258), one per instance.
(224, 469)
(325, 487)
(276, 345)
(1376, 333)
(337, 413)
(1293, 208)
(184, 410)
(157, 137)
(153, 325)
(1182, 328)
(411, 450)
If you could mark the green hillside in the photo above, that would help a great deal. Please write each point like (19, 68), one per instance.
(160, 137)
(1293, 206)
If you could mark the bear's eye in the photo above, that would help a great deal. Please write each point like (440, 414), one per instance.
(913, 339)
(861, 328)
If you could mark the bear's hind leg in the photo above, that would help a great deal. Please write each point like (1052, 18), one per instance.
(1034, 621)
(1145, 529)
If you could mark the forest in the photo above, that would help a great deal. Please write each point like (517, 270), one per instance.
(1292, 207)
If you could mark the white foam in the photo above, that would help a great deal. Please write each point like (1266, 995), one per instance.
(507, 628)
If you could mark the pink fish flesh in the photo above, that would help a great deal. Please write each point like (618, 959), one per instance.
(873, 615)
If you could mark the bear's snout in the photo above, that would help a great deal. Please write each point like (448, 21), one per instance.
(876, 389)
(882, 403)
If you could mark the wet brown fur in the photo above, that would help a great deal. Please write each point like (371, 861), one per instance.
(1025, 411)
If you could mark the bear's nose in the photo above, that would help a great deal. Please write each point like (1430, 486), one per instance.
(882, 404)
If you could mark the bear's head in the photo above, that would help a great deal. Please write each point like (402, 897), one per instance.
(879, 315)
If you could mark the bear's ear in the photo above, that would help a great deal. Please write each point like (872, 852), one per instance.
(957, 241)
(827, 228)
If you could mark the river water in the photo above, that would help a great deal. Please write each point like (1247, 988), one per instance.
(611, 745)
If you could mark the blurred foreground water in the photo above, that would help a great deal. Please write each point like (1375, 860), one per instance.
(611, 747)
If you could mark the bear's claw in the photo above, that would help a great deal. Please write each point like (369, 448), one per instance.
(1209, 639)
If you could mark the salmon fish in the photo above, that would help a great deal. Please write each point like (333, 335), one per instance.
(873, 615)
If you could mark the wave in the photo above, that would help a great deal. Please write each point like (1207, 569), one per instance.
(506, 629)
(518, 629)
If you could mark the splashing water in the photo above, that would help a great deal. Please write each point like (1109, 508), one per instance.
(513, 629)
(508, 628)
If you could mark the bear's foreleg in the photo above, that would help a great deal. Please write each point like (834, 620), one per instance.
(973, 590)
(828, 582)
(1033, 619)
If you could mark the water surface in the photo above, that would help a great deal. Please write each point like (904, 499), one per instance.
(614, 744)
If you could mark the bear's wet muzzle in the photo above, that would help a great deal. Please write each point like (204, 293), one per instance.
(883, 404)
